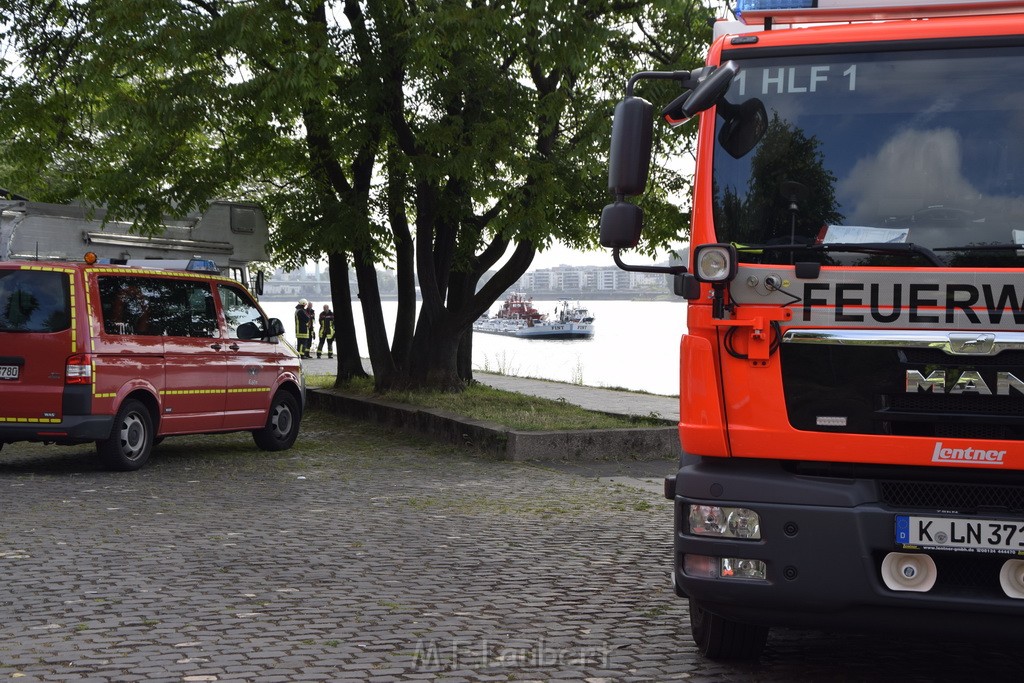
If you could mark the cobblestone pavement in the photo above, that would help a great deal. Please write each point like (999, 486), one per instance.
(373, 556)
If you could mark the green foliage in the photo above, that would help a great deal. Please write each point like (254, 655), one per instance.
(155, 106)
(475, 124)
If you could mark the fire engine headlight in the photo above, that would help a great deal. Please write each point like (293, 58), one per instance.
(725, 522)
(715, 263)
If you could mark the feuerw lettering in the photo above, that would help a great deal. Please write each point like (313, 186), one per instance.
(916, 302)
(977, 456)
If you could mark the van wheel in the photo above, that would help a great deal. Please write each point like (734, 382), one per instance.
(282, 424)
(719, 638)
(131, 441)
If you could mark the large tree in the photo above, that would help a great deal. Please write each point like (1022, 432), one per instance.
(435, 136)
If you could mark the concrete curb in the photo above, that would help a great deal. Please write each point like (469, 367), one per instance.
(642, 443)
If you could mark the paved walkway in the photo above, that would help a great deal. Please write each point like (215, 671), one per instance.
(592, 398)
(368, 555)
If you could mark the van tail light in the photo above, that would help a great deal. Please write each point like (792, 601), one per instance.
(78, 369)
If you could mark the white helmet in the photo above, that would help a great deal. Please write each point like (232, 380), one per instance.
(303, 302)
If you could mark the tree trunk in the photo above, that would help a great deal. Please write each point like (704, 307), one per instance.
(460, 295)
(405, 262)
(350, 364)
(381, 362)
(434, 356)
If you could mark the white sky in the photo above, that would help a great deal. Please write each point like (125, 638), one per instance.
(559, 255)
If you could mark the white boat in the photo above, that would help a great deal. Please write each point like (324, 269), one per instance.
(519, 318)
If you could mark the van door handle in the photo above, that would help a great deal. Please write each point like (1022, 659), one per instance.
(234, 347)
(215, 347)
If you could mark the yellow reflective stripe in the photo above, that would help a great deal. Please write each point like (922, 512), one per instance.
(55, 269)
(130, 270)
(104, 395)
(74, 316)
(94, 319)
(34, 420)
(195, 392)
(189, 392)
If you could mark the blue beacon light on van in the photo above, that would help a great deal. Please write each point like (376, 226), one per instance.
(203, 265)
(767, 5)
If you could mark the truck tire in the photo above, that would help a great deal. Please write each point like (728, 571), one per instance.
(282, 424)
(131, 441)
(723, 639)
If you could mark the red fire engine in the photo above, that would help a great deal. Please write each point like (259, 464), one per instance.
(852, 379)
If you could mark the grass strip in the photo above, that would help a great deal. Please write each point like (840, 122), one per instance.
(483, 402)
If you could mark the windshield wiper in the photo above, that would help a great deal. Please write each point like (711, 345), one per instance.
(1009, 246)
(850, 247)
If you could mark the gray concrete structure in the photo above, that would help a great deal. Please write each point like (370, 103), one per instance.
(640, 443)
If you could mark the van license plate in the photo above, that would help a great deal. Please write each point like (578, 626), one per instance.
(960, 534)
(9, 371)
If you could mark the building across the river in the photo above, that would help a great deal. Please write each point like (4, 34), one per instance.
(560, 282)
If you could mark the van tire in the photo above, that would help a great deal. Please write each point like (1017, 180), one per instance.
(282, 424)
(723, 639)
(131, 441)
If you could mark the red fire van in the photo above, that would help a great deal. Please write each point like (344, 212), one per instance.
(124, 356)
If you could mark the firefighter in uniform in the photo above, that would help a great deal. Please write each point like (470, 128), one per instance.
(326, 332)
(311, 316)
(303, 329)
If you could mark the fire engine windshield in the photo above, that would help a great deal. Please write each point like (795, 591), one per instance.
(878, 158)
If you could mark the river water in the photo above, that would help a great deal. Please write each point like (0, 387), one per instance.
(635, 345)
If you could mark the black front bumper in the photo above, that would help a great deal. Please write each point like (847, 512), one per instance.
(824, 536)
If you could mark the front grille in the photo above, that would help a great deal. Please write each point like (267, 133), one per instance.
(863, 390)
(963, 498)
(915, 356)
(1011, 406)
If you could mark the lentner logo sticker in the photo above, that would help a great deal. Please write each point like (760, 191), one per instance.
(976, 456)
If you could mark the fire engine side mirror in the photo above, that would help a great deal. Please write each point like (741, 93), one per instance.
(704, 95)
(629, 159)
(621, 224)
(259, 283)
(745, 124)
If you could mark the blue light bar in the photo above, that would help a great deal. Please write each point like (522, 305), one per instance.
(814, 11)
(769, 5)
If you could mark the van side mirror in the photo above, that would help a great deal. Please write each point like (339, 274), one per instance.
(276, 328)
(248, 330)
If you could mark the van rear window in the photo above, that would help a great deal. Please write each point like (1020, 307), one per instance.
(34, 301)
